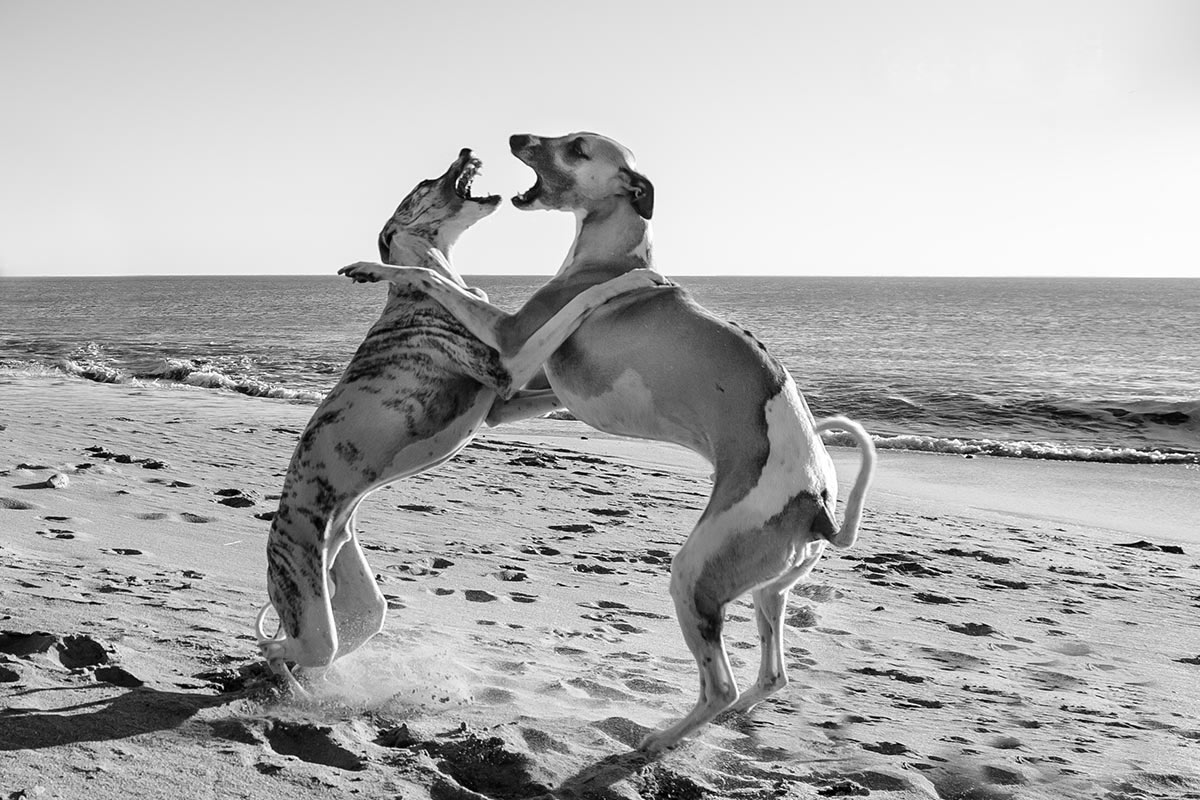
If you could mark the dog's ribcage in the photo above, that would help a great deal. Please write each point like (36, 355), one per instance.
(417, 342)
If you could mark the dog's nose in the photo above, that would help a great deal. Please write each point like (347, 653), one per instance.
(519, 141)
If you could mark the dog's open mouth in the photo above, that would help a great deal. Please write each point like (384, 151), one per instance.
(527, 197)
(471, 167)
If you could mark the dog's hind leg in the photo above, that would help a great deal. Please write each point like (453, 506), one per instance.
(769, 605)
(770, 602)
(299, 588)
(358, 605)
(701, 613)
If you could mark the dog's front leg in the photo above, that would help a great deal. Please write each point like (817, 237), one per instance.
(541, 344)
(476, 314)
(483, 319)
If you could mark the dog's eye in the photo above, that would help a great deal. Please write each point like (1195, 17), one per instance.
(577, 148)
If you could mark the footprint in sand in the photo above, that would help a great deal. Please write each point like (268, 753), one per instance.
(423, 568)
(13, 504)
(596, 689)
(1004, 583)
(978, 555)
(542, 550)
(911, 703)
(802, 617)
(649, 686)
(71, 652)
(613, 621)
(573, 527)
(118, 677)
(56, 533)
(510, 573)
(609, 512)
(234, 498)
(934, 599)
(194, 518)
(973, 628)
(595, 569)
(421, 508)
(315, 744)
(894, 674)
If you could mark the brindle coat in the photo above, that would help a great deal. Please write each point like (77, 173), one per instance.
(415, 393)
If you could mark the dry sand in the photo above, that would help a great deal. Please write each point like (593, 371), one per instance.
(991, 636)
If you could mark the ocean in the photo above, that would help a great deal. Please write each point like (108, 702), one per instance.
(1073, 369)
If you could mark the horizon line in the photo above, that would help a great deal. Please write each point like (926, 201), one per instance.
(890, 276)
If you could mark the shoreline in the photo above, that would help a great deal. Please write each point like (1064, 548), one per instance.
(988, 635)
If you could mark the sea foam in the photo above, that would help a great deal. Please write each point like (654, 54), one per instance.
(1019, 449)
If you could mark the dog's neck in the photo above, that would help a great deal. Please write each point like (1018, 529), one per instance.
(612, 237)
(409, 249)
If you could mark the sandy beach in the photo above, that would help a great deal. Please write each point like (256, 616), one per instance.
(1004, 628)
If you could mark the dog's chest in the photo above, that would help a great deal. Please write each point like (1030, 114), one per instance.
(623, 406)
(628, 405)
(419, 344)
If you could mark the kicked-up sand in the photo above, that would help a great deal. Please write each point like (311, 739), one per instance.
(1003, 629)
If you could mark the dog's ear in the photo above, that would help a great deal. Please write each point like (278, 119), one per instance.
(641, 192)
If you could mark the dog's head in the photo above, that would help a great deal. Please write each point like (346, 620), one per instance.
(440, 209)
(581, 171)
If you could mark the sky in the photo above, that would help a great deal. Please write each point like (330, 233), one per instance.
(1052, 137)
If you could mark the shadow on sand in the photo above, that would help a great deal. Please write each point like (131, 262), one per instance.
(136, 711)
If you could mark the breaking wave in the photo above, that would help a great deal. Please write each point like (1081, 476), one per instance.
(90, 362)
(1050, 451)
(1021, 425)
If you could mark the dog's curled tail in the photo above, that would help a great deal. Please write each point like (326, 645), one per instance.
(260, 627)
(848, 532)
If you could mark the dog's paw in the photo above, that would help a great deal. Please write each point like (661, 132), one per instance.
(273, 650)
(656, 743)
(364, 272)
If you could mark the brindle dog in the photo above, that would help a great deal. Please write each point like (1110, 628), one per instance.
(415, 392)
